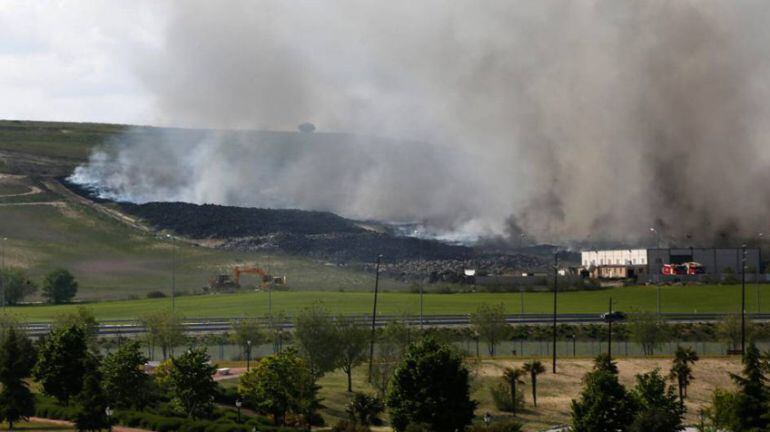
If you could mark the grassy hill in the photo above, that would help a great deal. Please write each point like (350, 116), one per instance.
(48, 227)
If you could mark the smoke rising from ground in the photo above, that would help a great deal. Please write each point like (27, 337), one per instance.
(559, 119)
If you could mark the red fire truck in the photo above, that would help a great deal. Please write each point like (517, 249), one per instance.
(684, 269)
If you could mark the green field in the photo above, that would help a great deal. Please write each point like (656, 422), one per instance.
(695, 298)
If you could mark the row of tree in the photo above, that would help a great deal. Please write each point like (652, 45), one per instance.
(59, 286)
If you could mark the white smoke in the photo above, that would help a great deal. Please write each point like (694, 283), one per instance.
(559, 118)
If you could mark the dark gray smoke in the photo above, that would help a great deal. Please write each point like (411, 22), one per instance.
(560, 119)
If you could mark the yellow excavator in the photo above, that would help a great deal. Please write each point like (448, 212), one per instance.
(226, 282)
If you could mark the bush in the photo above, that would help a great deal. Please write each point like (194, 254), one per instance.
(348, 426)
(502, 426)
(156, 294)
(501, 396)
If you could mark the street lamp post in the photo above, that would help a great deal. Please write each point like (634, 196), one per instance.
(574, 345)
(555, 291)
(173, 272)
(609, 339)
(238, 404)
(108, 412)
(2, 275)
(743, 300)
(374, 314)
(248, 355)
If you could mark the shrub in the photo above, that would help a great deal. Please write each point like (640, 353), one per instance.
(348, 426)
(502, 426)
(501, 397)
(156, 294)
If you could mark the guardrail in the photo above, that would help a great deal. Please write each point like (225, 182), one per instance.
(220, 325)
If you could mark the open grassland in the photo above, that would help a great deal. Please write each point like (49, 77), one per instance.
(555, 392)
(112, 260)
(695, 298)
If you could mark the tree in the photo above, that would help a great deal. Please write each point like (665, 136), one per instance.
(191, 383)
(604, 404)
(365, 409)
(164, 330)
(316, 338)
(681, 371)
(603, 362)
(16, 400)
(127, 385)
(92, 403)
(59, 286)
(512, 377)
(61, 363)
(729, 330)
(648, 330)
(752, 397)
(16, 285)
(247, 333)
(657, 404)
(353, 339)
(392, 343)
(431, 386)
(82, 317)
(489, 323)
(534, 368)
(280, 384)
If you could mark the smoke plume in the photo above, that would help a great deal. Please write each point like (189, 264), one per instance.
(559, 119)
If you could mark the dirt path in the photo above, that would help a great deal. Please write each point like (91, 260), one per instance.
(71, 424)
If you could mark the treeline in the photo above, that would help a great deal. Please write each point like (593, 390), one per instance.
(58, 286)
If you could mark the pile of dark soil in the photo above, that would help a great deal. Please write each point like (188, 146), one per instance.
(221, 222)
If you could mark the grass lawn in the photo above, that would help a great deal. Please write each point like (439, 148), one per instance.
(555, 392)
(695, 298)
(36, 426)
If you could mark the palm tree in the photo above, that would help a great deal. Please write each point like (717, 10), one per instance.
(681, 371)
(534, 368)
(513, 377)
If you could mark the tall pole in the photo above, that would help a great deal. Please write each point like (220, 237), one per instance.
(657, 298)
(609, 339)
(743, 300)
(374, 315)
(2, 275)
(421, 305)
(555, 290)
(173, 273)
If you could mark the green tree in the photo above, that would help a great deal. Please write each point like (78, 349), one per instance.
(127, 385)
(61, 363)
(603, 362)
(729, 330)
(512, 377)
(722, 412)
(392, 343)
(16, 400)
(365, 409)
(84, 318)
(247, 333)
(164, 330)
(353, 340)
(648, 330)
(681, 370)
(658, 407)
(431, 386)
(191, 383)
(489, 323)
(92, 403)
(316, 338)
(16, 285)
(752, 398)
(279, 385)
(604, 404)
(59, 286)
(534, 368)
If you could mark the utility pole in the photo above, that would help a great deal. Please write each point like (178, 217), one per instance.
(743, 300)
(374, 315)
(173, 272)
(609, 322)
(2, 275)
(555, 290)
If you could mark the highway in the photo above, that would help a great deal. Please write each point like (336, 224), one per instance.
(221, 325)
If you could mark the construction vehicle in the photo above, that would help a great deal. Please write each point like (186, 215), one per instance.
(229, 283)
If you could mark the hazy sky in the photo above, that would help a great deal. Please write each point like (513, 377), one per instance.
(71, 60)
